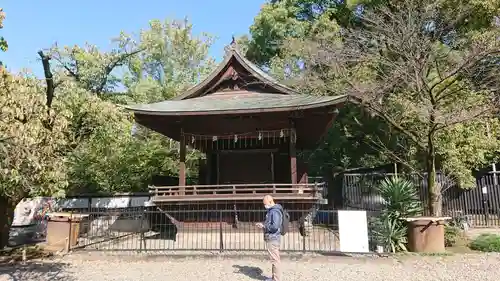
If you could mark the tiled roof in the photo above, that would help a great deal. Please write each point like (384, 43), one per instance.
(236, 101)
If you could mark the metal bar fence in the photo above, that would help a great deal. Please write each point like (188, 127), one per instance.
(192, 228)
(480, 205)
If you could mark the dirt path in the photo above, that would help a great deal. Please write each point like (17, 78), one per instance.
(133, 268)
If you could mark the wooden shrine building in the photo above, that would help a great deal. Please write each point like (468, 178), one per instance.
(250, 128)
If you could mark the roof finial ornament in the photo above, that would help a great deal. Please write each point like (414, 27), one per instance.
(233, 46)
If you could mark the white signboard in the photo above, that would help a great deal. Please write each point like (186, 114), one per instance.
(353, 231)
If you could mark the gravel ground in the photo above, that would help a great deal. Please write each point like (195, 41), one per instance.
(87, 267)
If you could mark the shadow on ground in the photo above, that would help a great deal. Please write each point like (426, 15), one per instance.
(43, 271)
(333, 254)
(250, 271)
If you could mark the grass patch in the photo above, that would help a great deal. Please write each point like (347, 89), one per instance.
(486, 243)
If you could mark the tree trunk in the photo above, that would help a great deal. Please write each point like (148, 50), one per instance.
(6, 215)
(434, 189)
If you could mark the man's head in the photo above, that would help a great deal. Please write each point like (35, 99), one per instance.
(268, 201)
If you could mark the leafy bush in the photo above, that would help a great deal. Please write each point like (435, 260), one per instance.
(452, 235)
(455, 231)
(400, 201)
(486, 243)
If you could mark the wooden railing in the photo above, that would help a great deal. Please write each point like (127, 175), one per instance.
(311, 190)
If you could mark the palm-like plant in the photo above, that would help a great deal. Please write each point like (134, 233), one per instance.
(400, 197)
(400, 201)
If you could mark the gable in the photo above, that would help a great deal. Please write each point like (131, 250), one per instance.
(236, 73)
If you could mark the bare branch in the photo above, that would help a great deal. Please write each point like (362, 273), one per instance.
(49, 78)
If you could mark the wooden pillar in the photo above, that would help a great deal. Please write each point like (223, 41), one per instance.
(182, 164)
(273, 177)
(208, 176)
(293, 158)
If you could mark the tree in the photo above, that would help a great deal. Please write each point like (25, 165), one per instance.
(280, 20)
(91, 68)
(3, 43)
(32, 142)
(103, 156)
(106, 157)
(398, 67)
(172, 61)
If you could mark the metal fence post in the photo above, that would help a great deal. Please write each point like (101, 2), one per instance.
(221, 236)
(484, 191)
(304, 237)
(141, 229)
(70, 222)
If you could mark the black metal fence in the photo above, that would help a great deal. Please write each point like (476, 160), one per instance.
(193, 228)
(480, 205)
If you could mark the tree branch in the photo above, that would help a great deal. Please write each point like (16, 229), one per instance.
(49, 79)
(111, 66)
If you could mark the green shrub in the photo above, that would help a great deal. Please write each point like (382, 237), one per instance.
(452, 235)
(486, 243)
(400, 201)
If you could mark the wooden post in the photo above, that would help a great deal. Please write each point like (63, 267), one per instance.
(208, 168)
(293, 159)
(182, 164)
(272, 168)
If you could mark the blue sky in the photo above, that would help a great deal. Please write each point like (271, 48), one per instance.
(31, 25)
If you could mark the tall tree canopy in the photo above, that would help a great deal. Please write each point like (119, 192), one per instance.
(438, 94)
(280, 20)
(173, 60)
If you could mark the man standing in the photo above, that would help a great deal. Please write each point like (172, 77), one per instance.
(272, 234)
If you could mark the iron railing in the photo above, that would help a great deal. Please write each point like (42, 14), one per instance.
(479, 205)
(198, 229)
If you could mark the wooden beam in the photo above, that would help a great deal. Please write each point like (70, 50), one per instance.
(182, 163)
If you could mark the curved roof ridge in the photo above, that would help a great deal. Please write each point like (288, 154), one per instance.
(232, 51)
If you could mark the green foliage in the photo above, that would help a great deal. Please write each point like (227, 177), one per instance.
(282, 20)
(390, 234)
(452, 235)
(355, 139)
(400, 197)
(103, 156)
(93, 69)
(31, 140)
(442, 113)
(172, 61)
(486, 243)
(101, 153)
(114, 161)
(281, 38)
(3, 43)
(279, 21)
(83, 143)
(400, 201)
